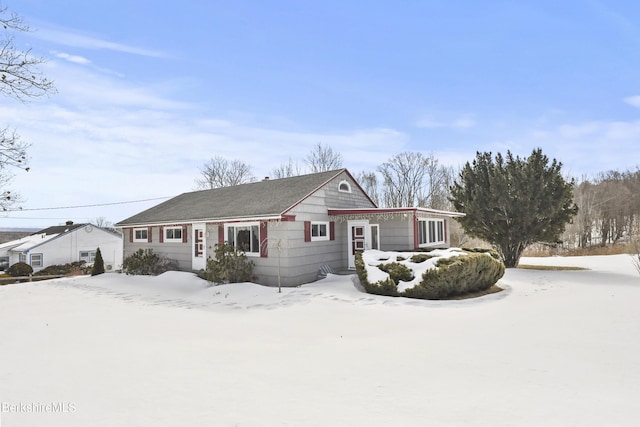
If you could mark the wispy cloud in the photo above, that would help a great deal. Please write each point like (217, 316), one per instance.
(71, 38)
(634, 101)
(462, 122)
(72, 58)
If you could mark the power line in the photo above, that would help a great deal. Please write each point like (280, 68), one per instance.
(85, 206)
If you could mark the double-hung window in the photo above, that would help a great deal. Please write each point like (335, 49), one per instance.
(244, 237)
(87, 256)
(173, 234)
(319, 230)
(430, 232)
(140, 234)
(36, 260)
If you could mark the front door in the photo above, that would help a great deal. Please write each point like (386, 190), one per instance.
(199, 247)
(358, 239)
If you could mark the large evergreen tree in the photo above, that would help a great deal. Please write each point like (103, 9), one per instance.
(513, 202)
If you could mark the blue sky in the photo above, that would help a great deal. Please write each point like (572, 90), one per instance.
(148, 91)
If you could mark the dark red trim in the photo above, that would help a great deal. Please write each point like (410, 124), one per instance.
(131, 235)
(161, 234)
(264, 239)
(185, 238)
(332, 230)
(307, 231)
(416, 238)
(149, 234)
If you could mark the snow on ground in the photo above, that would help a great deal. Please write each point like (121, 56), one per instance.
(557, 348)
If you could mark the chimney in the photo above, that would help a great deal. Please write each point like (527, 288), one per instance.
(266, 178)
(68, 223)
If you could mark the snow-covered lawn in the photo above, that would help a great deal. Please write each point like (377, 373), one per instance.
(556, 348)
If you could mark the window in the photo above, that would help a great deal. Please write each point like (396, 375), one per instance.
(375, 236)
(22, 257)
(319, 231)
(344, 187)
(245, 237)
(173, 234)
(36, 260)
(140, 235)
(87, 256)
(4, 263)
(430, 232)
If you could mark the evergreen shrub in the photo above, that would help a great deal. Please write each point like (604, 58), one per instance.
(145, 262)
(19, 269)
(229, 266)
(98, 264)
(73, 268)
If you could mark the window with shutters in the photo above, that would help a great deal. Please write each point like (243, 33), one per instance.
(140, 234)
(173, 234)
(244, 237)
(319, 230)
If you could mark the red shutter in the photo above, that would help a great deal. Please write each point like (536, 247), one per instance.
(161, 234)
(131, 235)
(264, 240)
(149, 234)
(221, 234)
(184, 234)
(307, 231)
(332, 230)
(416, 240)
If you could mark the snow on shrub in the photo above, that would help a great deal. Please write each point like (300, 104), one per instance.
(437, 274)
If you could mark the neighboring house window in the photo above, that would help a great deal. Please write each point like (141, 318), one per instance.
(36, 260)
(4, 263)
(140, 234)
(430, 231)
(22, 258)
(87, 256)
(173, 234)
(244, 237)
(319, 230)
(344, 186)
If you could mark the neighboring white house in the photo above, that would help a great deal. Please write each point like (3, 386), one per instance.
(62, 245)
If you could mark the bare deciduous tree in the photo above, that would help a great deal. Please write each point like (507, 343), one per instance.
(322, 159)
(286, 170)
(19, 73)
(369, 183)
(413, 179)
(20, 79)
(220, 172)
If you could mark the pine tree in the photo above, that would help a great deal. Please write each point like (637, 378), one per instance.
(513, 202)
(98, 264)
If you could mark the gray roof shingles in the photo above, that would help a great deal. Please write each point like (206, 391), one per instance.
(255, 199)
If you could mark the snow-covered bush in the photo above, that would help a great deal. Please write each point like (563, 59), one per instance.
(147, 263)
(438, 274)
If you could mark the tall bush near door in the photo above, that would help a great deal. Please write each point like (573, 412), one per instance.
(98, 264)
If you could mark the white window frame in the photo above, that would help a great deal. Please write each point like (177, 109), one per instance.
(174, 239)
(346, 183)
(431, 232)
(254, 250)
(319, 227)
(40, 264)
(140, 239)
(22, 257)
(89, 258)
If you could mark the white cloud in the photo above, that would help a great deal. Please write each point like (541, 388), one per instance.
(72, 38)
(72, 58)
(634, 101)
(463, 122)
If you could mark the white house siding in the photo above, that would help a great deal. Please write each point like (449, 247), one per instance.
(66, 248)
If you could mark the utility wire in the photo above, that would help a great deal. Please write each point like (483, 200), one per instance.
(84, 206)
